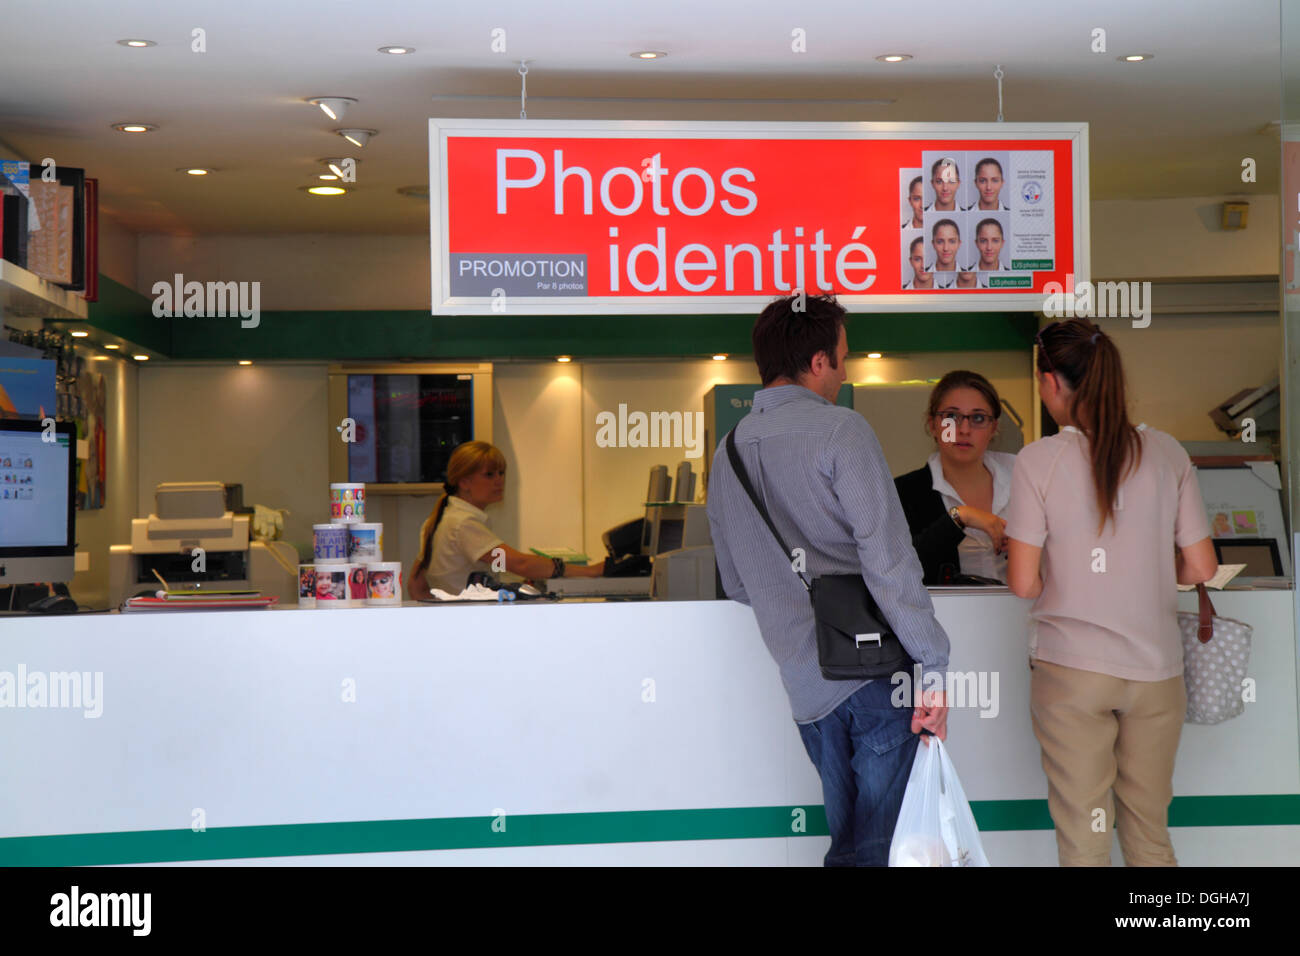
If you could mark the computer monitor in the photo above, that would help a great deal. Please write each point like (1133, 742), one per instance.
(669, 527)
(38, 513)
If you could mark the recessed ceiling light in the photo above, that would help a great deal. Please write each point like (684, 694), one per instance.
(357, 137)
(140, 358)
(245, 362)
(193, 170)
(397, 50)
(324, 190)
(649, 54)
(332, 106)
(99, 358)
(1135, 57)
(873, 355)
(328, 177)
(719, 357)
(111, 346)
(564, 358)
(894, 57)
(136, 43)
(80, 335)
(134, 127)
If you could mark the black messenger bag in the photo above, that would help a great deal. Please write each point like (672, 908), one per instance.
(854, 641)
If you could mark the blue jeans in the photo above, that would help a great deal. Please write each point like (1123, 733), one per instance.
(863, 751)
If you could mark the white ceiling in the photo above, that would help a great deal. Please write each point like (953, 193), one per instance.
(1178, 125)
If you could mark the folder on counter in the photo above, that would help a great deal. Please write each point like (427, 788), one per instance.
(567, 555)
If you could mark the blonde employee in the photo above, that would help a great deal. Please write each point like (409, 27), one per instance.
(456, 539)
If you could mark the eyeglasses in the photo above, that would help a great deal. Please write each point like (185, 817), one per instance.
(977, 420)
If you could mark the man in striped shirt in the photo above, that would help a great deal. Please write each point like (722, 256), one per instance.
(823, 478)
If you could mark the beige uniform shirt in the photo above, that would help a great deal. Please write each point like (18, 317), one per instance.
(463, 536)
(1109, 600)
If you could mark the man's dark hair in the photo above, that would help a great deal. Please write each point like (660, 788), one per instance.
(786, 339)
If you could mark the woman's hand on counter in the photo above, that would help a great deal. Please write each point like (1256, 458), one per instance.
(585, 571)
(534, 567)
(988, 522)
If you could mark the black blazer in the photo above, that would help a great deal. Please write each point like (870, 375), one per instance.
(935, 536)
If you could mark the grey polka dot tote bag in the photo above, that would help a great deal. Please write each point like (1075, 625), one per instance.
(1216, 653)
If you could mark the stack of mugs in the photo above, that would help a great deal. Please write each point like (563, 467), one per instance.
(349, 568)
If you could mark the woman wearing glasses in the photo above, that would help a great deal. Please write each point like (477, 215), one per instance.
(955, 502)
(1096, 514)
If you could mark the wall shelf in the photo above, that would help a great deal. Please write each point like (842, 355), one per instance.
(24, 293)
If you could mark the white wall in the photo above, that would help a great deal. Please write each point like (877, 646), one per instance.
(263, 426)
(298, 271)
(1162, 238)
(118, 252)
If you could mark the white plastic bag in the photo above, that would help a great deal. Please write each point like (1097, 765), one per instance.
(935, 826)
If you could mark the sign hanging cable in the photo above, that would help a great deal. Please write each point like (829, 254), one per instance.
(997, 75)
(523, 89)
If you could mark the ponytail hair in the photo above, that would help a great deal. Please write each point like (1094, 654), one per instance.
(466, 461)
(1089, 363)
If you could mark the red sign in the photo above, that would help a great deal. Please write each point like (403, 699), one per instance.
(551, 217)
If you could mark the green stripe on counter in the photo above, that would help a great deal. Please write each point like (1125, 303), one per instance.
(552, 829)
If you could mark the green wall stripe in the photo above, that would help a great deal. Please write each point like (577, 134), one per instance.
(123, 312)
(553, 829)
(416, 334)
(330, 336)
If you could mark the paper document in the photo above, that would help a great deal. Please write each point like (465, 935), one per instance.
(1221, 577)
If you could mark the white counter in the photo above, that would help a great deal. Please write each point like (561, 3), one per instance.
(539, 733)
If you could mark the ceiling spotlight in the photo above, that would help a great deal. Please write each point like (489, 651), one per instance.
(324, 190)
(894, 57)
(397, 50)
(357, 137)
(245, 362)
(193, 170)
(140, 358)
(134, 127)
(649, 54)
(873, 355)
(332, 106)
(136, 43)
(79, 334)
(564, 359)
(111, 346)
(329, 177)
(99, 358)
(719, 357)
(1135, 57)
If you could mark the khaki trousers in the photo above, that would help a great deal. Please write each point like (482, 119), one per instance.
(1101, 733)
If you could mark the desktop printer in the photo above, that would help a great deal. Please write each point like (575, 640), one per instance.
(190, 516)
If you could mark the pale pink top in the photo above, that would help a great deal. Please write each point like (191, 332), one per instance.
(1109, 600)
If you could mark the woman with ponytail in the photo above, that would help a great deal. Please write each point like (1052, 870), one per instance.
(456, 540)
(1105, 518)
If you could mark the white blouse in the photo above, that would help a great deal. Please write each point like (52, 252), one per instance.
(463, 536)
(975, 553)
